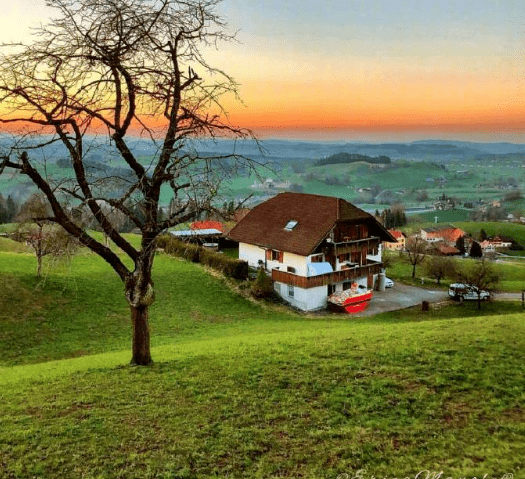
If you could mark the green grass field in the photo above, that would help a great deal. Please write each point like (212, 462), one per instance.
(511, 272)
(245, 390)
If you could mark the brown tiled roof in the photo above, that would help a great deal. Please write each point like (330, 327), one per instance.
(447, 250)
(315, 215)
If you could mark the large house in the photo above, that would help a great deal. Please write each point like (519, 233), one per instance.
(312, 246)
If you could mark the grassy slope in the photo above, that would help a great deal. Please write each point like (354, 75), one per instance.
(242, 391)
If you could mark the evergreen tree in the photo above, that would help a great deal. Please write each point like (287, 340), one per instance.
(11, 209)
(475, 250)
(460, 245)
(3, 210)
(482, 235)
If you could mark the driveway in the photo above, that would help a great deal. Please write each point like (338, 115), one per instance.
(401, 296)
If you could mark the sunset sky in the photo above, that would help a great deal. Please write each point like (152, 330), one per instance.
(371, 70)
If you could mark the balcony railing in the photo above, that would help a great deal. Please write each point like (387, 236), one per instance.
(306, 282)
(355, 245)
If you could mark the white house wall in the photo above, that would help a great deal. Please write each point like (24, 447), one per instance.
(252, 254)
(304, 299)
(293, 260)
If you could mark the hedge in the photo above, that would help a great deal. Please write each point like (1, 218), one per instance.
(230, 267)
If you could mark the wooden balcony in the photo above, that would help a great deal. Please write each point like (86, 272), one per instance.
(352, 246)
(306, 282)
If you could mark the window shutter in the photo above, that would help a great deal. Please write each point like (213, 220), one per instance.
(281, 256)
(268, 254)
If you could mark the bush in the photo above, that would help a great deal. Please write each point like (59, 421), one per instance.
(231, 267)
(263, 285)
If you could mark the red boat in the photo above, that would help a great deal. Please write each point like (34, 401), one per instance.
(349, 301)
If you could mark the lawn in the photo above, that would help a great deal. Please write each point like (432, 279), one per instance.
(244, 390)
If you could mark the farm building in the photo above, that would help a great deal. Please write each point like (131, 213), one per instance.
(312, 246)
(446, 233)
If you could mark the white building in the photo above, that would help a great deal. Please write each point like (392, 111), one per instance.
(312, 246)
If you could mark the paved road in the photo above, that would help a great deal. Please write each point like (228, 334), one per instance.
(507, 296)
(401, 296)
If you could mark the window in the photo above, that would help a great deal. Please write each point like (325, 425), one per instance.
(291, 290)
(290, 269)
(316, 258)
(290, 225)
(275, 255)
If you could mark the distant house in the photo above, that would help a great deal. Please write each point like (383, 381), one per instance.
(446, 233)
(443, 205)
(399, 244)
(312, 246)
(207, 225)
(498, 242)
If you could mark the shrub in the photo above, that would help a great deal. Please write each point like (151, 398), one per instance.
(262, 286)
(231, 267)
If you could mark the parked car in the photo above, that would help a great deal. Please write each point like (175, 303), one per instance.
(463, 292)
(388, 283)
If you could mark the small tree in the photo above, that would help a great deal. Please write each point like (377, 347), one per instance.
(43, 237)
(416, 249)
(482, 235)
(475, 250)
(263, 285)
(460, 245)
(479, 273)
(439, 267)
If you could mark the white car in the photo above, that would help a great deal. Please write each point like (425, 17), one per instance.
(388, 283)
(467, 292)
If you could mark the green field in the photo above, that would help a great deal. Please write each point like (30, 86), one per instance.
(448, 216)
(245, 390)
(511, 273)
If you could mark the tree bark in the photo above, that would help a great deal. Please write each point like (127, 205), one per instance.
(141, 337)
(140, 295)
(38, 265)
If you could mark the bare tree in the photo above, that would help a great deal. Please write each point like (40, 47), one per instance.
(42, 236)
(439, 267)
(479, 273)
(115, 68)
(416, 250)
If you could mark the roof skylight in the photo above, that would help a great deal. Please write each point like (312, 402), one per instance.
(290, 225)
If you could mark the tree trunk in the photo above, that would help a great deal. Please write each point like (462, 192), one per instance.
(38, 265)
(141, 339)
(140, 296)
(414, 270)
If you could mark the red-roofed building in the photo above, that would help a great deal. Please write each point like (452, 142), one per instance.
(312, 246)
(208, 225)
(446, 250)
(399, 244)
(446, 233)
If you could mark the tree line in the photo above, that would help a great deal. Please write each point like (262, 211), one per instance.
(340, 158)
(8, 209)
